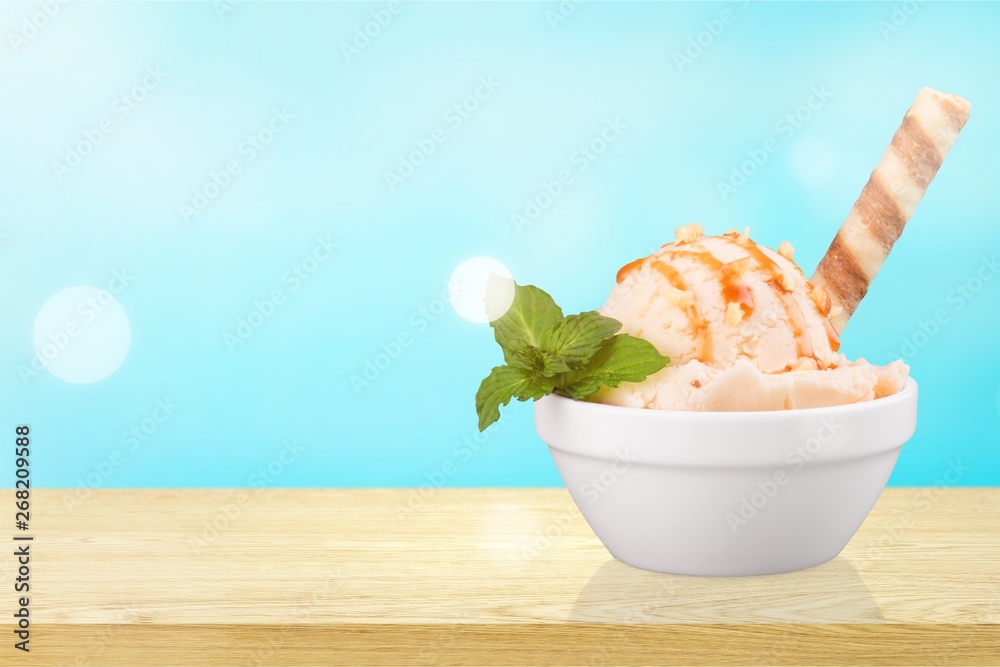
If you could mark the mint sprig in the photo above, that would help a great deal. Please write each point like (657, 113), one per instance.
(546, 352)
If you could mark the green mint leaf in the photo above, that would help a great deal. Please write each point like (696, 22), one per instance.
(628, 359)
(546, 352)
(533, 359)
(623, 358)
(502, 384)
(579, 389)
(531, 316)
(577, 338)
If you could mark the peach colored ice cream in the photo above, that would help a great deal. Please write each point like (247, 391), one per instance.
(743, 327)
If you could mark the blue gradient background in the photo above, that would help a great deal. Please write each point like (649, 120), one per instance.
(685, 131)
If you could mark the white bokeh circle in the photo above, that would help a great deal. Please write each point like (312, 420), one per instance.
(468, 293)
(82, 334)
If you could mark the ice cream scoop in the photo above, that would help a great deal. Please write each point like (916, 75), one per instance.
(743, 327)
(716, 298)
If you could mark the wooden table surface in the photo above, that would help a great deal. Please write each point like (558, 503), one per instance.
(489, 576)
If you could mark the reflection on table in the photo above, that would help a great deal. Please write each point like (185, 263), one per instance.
(830, 593)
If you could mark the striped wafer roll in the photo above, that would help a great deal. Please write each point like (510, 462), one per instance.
(918, 148)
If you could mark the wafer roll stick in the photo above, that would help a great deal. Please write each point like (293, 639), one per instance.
(893, 191)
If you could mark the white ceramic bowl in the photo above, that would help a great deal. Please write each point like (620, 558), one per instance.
(726, 493)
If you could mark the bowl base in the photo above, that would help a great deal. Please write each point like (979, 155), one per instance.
(777, 568)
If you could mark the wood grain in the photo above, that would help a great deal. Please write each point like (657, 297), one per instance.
(488, 576)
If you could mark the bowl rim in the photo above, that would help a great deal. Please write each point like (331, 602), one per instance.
(907, 393)
(719, 439)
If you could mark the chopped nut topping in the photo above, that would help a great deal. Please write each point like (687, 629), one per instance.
(688, 234)
(835, 311)
(734, 314)
(737, 266)
(786, 250)
(681, 298)
(820, 298)
(805, 364)
(744, 237)
(787, 281)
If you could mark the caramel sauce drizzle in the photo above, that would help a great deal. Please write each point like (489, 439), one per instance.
(798, 321)
(735, 290)
(792, 308)
(629, 268)
(831, 333)
(694, 317)
(676, 281)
